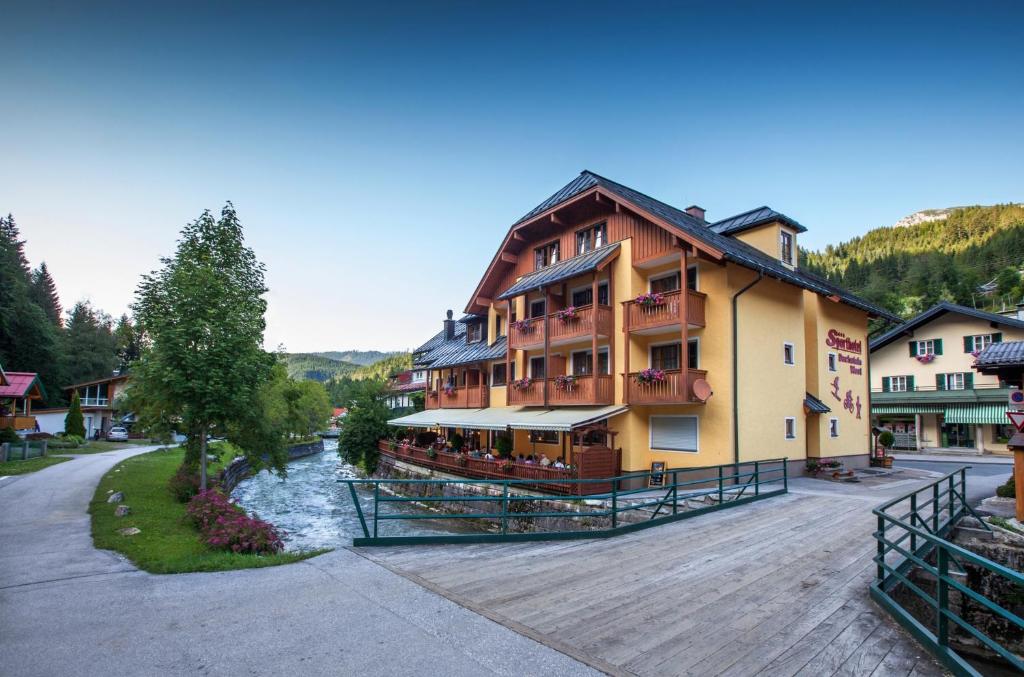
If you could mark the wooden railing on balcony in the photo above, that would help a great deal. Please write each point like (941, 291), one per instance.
(580, 326)
(541, 477)
(466, 397)
(586, 390)
(667, 314)
(18, 422)
(669, 391)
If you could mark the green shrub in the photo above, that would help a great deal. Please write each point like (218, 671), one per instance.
(1007, 490)
(503, 445)
(457, 442)
(7, 435)
(886, 439)
(184, 484)
(74, 422)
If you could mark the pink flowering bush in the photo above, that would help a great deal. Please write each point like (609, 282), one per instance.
(225, 526)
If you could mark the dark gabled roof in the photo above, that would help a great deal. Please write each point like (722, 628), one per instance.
(471, 318)
(936, 311)
(425, 353)
(814, 405)
(453, 354)
(563, 270)
(1005, 354)
(732, 249)
(752, 219)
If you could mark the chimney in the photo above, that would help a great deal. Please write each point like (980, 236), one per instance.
(1020, 311)
(696, 212)
(449, 327)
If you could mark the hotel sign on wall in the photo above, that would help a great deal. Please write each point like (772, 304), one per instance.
(849, 351)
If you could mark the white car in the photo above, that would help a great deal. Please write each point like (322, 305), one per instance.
(117, 434)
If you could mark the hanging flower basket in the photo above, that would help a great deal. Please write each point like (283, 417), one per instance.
(522, 383)
(433, 394)
(567, 314)
(449, 389)
(525, 325)
(650, 300)
(506, 464)
(461, 460)
(565, 382)
(925, 359)
(431, 452)
(651, 376)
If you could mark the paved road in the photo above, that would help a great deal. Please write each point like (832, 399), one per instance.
(69, 609)
(982, 478)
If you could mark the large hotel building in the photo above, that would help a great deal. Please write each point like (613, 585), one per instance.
(609, 319)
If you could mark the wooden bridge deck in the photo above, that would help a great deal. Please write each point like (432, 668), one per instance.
(777, 587)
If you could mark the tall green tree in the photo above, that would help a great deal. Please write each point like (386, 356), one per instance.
(28, 339)
(90, 349)
(129, 339)
(203, 313)
(366, 423)
(43, 292)
(74, 424)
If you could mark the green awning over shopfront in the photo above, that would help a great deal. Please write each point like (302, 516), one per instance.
(977, 414)
(911, 409)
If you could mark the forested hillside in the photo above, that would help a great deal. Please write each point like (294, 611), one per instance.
(317, 367)
(360, 358)
(386, 367)
(909, 268)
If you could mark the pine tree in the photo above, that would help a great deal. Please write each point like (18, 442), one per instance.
(43, 291)
(74, 424)
(90, 349)
(129, 339)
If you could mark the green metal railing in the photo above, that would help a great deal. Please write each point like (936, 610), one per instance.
(630, 505)
(911, 535)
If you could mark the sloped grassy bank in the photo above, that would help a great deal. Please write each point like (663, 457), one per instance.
(167, 542)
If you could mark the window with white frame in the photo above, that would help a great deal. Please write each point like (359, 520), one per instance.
(926, 347)
(788, 353)
(979, 342)
(954, 381)
(833, 427)
(674, 433)
(898, 384)
(664, 283)
(786, 247)
(790, 428)
(419, 376)
(833, 362)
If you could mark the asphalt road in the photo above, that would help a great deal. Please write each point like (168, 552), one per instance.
(69, 609)
(982, 478)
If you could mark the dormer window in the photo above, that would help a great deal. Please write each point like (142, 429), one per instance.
(474, 332)
(590, 238)
(546, 255)
(786, 247)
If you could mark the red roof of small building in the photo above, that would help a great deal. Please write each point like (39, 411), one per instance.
(21, 384)
(338, 411)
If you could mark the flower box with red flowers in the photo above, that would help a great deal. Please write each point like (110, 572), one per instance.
(650, 376)
(565, 382)
(650, 300)
(524, 326)
(522, 383)
(567, 314)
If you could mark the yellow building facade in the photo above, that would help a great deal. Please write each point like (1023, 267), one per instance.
(775, 362)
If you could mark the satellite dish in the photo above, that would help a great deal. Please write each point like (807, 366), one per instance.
(702, 390)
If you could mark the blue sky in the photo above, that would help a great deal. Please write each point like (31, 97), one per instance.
(377, 154)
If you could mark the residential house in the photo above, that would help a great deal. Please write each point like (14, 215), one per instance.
(924, 386)
(18, 390)
(690, 343)
(98, 400)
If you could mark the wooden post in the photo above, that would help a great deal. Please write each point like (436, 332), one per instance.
(509, 376)
(593, 333)
(611, 330)
(684, 346)
(625, 351)
(547, 341)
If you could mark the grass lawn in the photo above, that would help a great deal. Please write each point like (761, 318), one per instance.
(30, 465)
(168, 543)
(97, 446)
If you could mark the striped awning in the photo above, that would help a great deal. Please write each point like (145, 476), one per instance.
(877, 409)
(977, 414)
(561, 419)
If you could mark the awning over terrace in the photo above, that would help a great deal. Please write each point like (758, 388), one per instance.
(562, 419)
(977, 414)
(907, 408)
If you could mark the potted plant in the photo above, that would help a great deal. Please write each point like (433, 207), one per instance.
(457, 443)
(925, 359)
(507, 464)
(524, 325)
(565, 382)
(567, 314)
(461, 460)
(449, 389)
(503, 445)
(650, 300)
(431, 452)
(887, 439)
(522, 383)
(650, 376)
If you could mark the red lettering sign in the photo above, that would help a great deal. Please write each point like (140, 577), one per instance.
(840, 341)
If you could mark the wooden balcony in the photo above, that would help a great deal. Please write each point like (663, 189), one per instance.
(669, 391)
(466, 397)
(587, 390)
(18, 422)
(642, 318)
(563, 331)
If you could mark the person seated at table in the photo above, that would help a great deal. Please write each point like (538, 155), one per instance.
(544, 460)
(520, 459)
(489, 456)
(558, 463)
(475, 453)
(529, 460)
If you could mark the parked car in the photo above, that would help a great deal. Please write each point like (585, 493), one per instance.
(117, 434)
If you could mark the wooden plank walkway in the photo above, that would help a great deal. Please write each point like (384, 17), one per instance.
(777, 587)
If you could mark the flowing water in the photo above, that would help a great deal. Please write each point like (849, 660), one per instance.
(314, 508)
